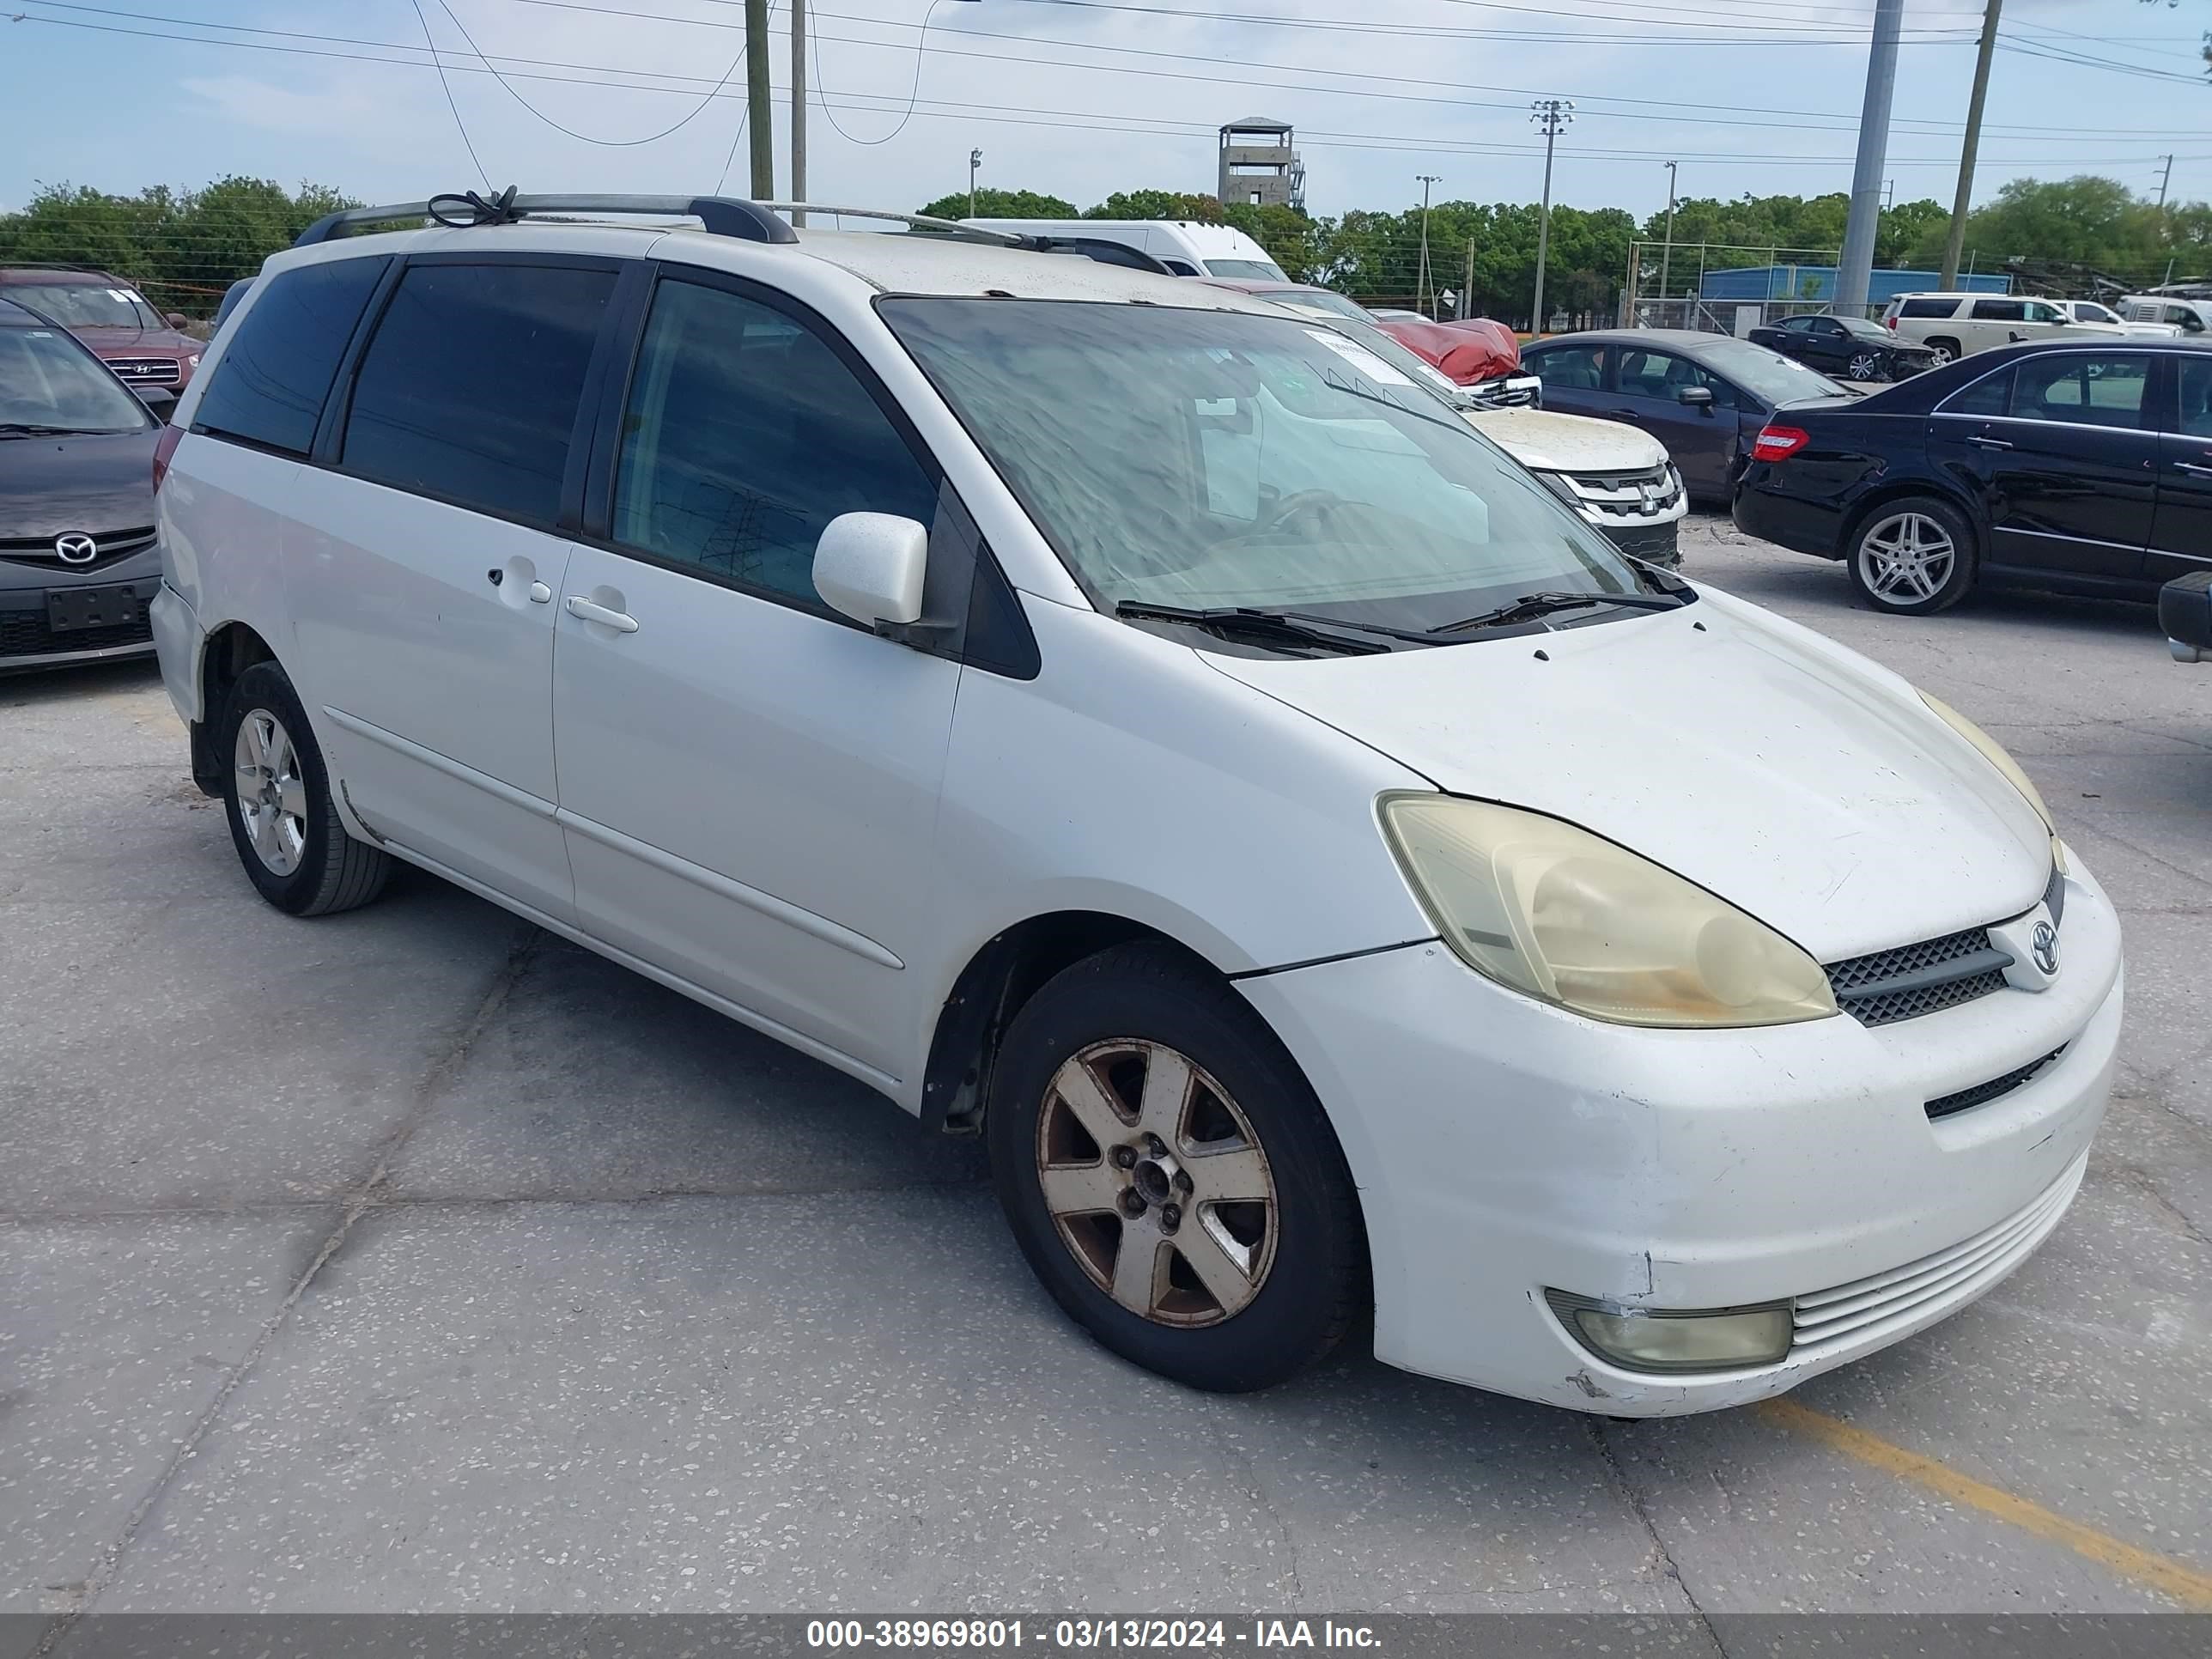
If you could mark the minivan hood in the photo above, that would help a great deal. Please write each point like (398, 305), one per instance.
(1773, 767)
(98, 484)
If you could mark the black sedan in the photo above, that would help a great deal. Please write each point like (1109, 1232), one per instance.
(79, 562)
(1704, 396)
(1849, 347)
(2083, 466)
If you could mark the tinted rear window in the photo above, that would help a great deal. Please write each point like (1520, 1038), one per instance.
(1929, 308)
(469, 390)
(271, 382)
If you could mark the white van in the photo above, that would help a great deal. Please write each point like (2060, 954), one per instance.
(1105, 713)
(1185, 246)
(1955, 325)
(2192, 318)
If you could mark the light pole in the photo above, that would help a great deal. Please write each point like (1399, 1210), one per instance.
(1954, 239)
(1667, 248)
(974, 160)
(798, 109)
(1856, 273)
(1421, 278)
(1552, 115)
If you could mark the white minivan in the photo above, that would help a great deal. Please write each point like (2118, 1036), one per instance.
(1185, 246)
(1097, 710)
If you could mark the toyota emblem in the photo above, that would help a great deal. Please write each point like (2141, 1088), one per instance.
(2043, 945)
(76, 547)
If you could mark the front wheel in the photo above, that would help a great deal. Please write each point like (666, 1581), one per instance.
(1913, 557)
(1864, 366)
(276, 795)
(1170, 1175)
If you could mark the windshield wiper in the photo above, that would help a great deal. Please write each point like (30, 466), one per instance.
(1291, 626)
(1530, 606)
(38, 430)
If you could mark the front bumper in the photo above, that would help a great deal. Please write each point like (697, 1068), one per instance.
(2184, 610)
(1502, 1147)
(27, 643)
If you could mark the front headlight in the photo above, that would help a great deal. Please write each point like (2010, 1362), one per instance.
(1570, 918)
(1993, 752)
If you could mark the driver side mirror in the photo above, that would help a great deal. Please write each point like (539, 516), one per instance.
(1699, 397)
(870, 567)
(175, 318)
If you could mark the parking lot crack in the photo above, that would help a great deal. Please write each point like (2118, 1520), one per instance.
(1625, 1489)
(353, 1204)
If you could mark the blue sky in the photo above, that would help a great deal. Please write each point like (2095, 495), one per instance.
(1079, 98)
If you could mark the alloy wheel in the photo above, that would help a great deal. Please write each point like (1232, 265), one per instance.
(1864, 367)
(1939, 355)
(1156, 1183)
(1907, 558)
(272, 798)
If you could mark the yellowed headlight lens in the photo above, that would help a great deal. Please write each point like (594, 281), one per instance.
(1570, 918)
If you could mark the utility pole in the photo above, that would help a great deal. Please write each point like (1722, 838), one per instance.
(1421, 277)
(2165, 179)
(1955, 244)
(974, 160)
(1466, 282)
(1667, 248)
(798, 108)
(757, 100)
(1552, 115)
(1856, 273)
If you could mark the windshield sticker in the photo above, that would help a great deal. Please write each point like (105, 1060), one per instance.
(1360, 357)
(121, 296)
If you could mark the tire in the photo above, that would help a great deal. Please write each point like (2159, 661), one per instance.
(276, 795)
(1864, 366)
(1236, 1293)
(1912, 556)
(1945, 351)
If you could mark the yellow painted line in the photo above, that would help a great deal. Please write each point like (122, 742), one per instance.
(2169, 1577)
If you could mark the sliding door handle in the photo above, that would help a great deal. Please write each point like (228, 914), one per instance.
(584, 609)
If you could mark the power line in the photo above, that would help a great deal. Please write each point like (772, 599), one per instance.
(466, 142)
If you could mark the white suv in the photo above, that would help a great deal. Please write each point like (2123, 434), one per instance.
(1953, 325)
(1097, 709)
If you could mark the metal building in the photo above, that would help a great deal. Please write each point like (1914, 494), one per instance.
(1259, 165)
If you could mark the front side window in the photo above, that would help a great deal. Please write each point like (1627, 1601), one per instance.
(2038, 312)
(270, 381)
(2087, 391)
(469, 389)
(1570, 368)
(746, 433)
(1663, 377)
(85, 305)
(2192, 322)
(1221, 459)
(2195, 379)
(49, 383)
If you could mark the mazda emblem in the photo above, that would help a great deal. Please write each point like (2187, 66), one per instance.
(2043, 944)
(76, 548)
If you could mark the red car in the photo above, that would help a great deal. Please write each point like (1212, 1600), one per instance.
(108, 315)
(1478, 353)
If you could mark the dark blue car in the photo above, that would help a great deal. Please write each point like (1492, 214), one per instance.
(2081, 466)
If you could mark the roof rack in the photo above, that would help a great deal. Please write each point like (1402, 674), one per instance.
(722, 216)
(1100, 248)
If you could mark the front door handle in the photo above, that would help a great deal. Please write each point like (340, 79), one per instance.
(1989, 443)
(2197, 467)
(581, 607)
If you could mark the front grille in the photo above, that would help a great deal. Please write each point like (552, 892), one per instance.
(25, 634)
(148, 371)
(110, 549)
(1918, 979)
(1853, 1313)
(1622, 498)
(1660, 544)
(1983, 1093)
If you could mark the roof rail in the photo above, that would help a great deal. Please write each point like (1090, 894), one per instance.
(722, 216)
(1103, 249)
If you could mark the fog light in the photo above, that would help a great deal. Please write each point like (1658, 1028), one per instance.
(1676, 1339)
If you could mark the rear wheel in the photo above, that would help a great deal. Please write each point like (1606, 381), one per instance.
(276, 794)
(1170, 1175)
(1913, 556)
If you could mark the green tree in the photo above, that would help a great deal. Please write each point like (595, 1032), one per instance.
(1293, 240)
(1157, 205)
(998, 204)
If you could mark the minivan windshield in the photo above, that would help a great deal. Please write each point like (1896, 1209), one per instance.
(1209, 460)
(49, 383)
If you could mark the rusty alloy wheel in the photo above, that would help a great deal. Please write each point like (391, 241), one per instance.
(1156, 1183)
